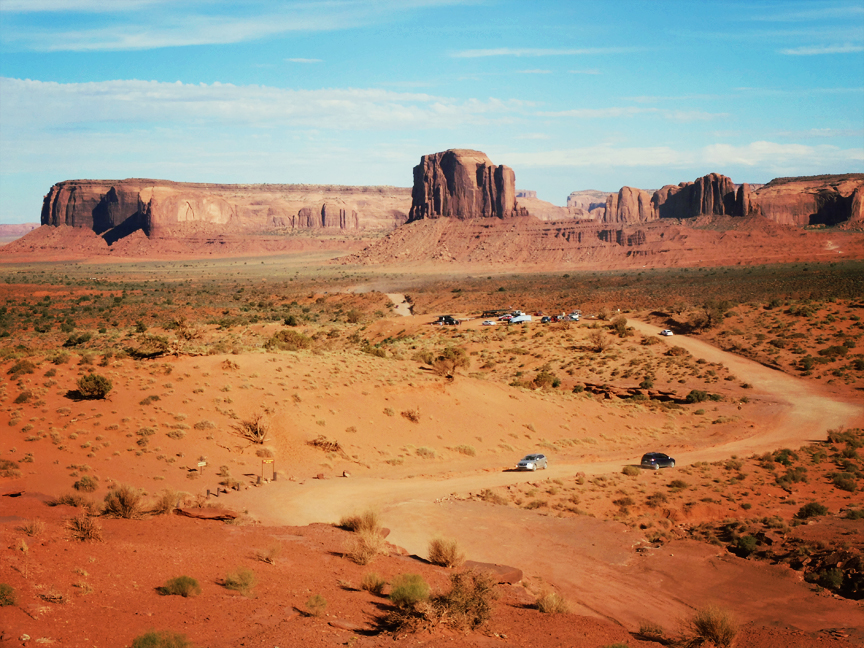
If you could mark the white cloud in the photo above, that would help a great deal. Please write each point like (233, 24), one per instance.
(533, 71)
(533, 51)
(39, 104)
(681, 116)
(304, 60)
(766, 155)
(90, 6)
(823, 49)
(584, 71)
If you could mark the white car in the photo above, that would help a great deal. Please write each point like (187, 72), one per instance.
(533, 462)
(666, 332)
(489, 323)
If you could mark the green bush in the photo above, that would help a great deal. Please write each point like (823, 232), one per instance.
(7, 595)
(844, 481)
(746, 544)
(830, 578)
(812, 509)
(373, 583)
(184, 586)
(161, 639)
(94, 386)
(468, 604)
(408, 590)
(21, 367)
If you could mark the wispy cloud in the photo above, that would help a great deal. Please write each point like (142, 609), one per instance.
(38, 104)
(617, 112)
(304, 60)
(768, 155)
(533, 71)
(173, 24)
(583, 71)
(816, 50)
(824, 12)
(533, 51)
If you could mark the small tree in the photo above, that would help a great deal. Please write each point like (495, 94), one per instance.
(94, 386)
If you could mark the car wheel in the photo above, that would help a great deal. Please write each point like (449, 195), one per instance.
(534, 468)
(655, 466)
(672, 464)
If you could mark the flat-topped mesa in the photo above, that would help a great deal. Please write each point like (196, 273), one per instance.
(115, 208)
(463, 184)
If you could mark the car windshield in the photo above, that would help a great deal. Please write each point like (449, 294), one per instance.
(531, 458)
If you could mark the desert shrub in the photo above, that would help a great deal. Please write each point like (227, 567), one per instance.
(412, 415)
(854, 514)
(365, 546)
(77, 340)
(21, 367)
(551, 603)
(598, 341)
(184, 586)
(844, 481)
(468, 604)
(204, 425)
(32, 527)
(651, 631)
(9, 468)
(316, 605)
(86, 483)
(368, 520)
(288, 340)
(830, 578)
(240, 580)
(72, 499)
(713, 626)
(161, 639)
(677, 485)
(795, 475)
(23, 397)
(408, 590)
(469, 450)
(94, 386)
(746, 544)
(676, 351)
(656, 499)
(149, 346)
(373, 583)
(631, 471)
(488, 495)
(450, 359)
(811, 509)
(426, 452)
(123, 501)
(59, 358)
(84, 528)
(254, 429)
(445, 553)
(7, 595)
(167, 501)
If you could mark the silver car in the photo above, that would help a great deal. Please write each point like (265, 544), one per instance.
(533, 462)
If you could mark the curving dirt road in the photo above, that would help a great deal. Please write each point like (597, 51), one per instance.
(592, 562)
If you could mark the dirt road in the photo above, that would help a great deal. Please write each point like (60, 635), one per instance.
(592, 562)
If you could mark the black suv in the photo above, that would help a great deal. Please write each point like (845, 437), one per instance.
(657, 460)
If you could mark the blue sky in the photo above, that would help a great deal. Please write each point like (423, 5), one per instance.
(571, 94)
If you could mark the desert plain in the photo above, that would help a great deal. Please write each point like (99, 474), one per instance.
(256, 405)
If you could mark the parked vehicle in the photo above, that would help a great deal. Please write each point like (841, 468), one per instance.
(545, 319)
(657, 460)
(666, 332)
(505, 318)
(447, 320)
(533, 462)
(520, 319)
(489, 323)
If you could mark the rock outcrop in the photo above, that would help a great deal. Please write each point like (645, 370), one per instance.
(463, 184)
(711, 194)
(814, 200)
(116, 208)
(629, 205)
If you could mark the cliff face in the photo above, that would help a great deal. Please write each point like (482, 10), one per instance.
(816, 200)
(116, 208)
(711, 194)
(463, 184)
(629, 205)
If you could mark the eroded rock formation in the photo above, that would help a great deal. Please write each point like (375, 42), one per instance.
(710, 194)
(629, 205)
(814, 200)
(464, 184)
(116, 208)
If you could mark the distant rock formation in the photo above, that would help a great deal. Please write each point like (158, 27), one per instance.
(711, 194)
(629, 205)
(813, 200)
(12, 231)
(463, 184)
(525, 193)
(116, 208)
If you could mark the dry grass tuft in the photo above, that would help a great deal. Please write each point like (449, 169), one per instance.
(32, 528)
(552, 603)
(254, 429)
(367, 520)
(445, 553)
(84, 528)
(123, 501)
(710, 626)
(166, 502)
(412, 415)
(373, 583)
(269, 555)
(365, 546)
